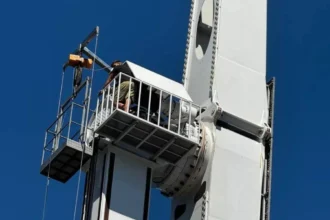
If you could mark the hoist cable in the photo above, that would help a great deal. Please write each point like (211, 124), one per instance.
(79, 178)
(85, 130)
(49, 166)
(46, 191)
(60, 98)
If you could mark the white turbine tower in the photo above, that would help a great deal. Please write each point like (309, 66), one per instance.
(206, 143)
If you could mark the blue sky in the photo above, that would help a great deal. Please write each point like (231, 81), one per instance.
(37, 36)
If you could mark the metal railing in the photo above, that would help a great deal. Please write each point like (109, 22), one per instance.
(69, 125)
(149, 102)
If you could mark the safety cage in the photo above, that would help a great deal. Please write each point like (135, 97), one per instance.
(157, 124)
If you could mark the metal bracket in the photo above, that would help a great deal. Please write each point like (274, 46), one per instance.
(84, 43)
(221, 118)
(98, 60)
(243, 127)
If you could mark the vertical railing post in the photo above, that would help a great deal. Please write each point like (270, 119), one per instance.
(160, 106)
(96, 112)
(189, 120)
(84, 119)
(43, 152)
(149, 102)
(119, 82)
(139, 99)
(107, 100)
(113, 95)
(200, 119)
(57, 130)
(169, 113)
(180, 110)
(70, 119)
(129, 93)
(102, 106)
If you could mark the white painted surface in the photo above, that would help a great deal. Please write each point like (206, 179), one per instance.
(117, 216)
(236, 177)
(240, 66)
(240, 84)
(159, 81)
(105, 183)
(97, 187)
(207, 13)
(242, 35)
(128, 189)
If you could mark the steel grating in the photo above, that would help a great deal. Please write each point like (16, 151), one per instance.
(135, 135)
(65, 161)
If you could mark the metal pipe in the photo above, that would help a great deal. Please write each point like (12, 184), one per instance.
(70, 119)
(169, 113)
(96, 114)
(84, 120)
(108, 100)
(189, 119)
(76, 104)
(51, 140)
(119, 82)
(74, 135)
(72, 97)
(179, 124)
(90, 37)
(76, 123)
(149, 102)
(160, 106)
(43, 151)
(60, 131)
(102, 107)
(113, 95)
(129, 92)
(57, 119)
(98, 60)
(139, 100)
(157, 88)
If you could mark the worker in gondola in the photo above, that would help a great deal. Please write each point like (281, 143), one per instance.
(126, 89)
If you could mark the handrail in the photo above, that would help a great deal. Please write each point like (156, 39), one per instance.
(58, 118)
(172, 111)
(150, 85)
(97, 59)
(89, 38)
(84, 43)
(74, 95)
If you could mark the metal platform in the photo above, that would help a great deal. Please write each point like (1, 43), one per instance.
(144, 138)
(65, 161)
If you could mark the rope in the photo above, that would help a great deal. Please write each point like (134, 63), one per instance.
(46, 190)
(60, 98)
(48, 172)
(91, 84)
(82, 142)
(85, 131)
(107, 67)
(79, 179)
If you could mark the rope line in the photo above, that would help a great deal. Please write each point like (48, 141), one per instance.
(46, 190)
(83, 135)
(81, 138)
(48, 172)
(60, 98)
(79, 179)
